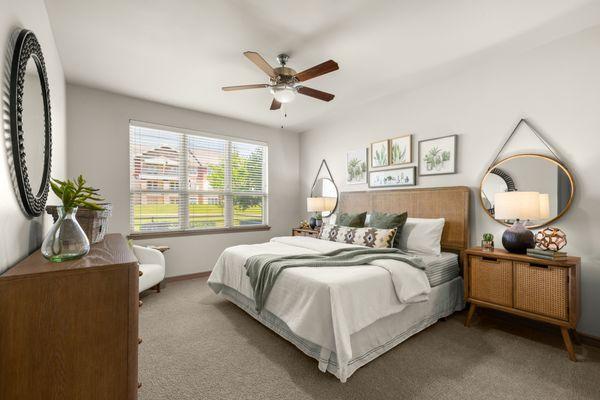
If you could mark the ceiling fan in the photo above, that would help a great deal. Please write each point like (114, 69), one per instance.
(285, 82)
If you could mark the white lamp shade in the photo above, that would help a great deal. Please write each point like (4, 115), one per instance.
(544, 205)
(320, 204)
(517, 205)
(330, 203)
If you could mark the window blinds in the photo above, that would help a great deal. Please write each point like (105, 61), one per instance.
(183, 180)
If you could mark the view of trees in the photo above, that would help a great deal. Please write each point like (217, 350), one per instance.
(246, 176)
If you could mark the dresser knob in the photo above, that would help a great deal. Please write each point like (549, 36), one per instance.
(140, 340)
(141, 303)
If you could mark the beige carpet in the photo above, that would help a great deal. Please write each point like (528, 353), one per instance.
(198, 346)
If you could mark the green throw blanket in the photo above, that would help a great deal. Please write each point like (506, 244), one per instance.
(264, 269)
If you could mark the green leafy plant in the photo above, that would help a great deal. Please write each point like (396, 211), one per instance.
(381, 157)
(398, 155)
(74, 193)
(488, 237)
(432, 157)
(356, 169)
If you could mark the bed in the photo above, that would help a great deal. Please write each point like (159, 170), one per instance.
(347, 317)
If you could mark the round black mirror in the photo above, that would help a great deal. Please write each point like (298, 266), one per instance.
(30, 123)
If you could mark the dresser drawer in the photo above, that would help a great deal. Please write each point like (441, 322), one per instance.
(542, 289)
(491, 280)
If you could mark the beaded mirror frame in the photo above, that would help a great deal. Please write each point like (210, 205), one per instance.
(26, 47)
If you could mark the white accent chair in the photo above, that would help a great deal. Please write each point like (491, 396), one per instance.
(152, 267)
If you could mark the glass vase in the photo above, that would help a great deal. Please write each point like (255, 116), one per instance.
(66, 240)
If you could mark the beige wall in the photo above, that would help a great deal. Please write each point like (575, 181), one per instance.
(556, 86)
(22, 235)
(98, 148)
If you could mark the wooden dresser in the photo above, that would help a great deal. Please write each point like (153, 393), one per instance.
(69, 331)
(544, 290)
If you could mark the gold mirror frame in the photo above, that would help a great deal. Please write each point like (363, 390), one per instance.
(547, 158)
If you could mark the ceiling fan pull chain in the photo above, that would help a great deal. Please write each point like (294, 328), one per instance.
(284, 114)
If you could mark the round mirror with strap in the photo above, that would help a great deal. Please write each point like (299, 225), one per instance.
(529, 172)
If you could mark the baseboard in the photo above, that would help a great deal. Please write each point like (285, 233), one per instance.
(195, 275)
(585, 338)
(589, 339)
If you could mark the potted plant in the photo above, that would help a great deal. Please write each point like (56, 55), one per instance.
(487, 242)
(319, 220)
(66, 240)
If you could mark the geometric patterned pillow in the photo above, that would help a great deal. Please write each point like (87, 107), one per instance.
(370, 237)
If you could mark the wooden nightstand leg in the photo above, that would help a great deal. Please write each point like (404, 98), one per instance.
(470, 315)
(568, 344)
(575, 336)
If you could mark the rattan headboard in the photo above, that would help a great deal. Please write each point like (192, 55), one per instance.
(451, 203)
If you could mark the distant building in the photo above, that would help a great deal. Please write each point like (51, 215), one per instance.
(157, 170)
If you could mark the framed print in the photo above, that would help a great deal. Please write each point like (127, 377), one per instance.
(437, 156)
(401, 150)
(380, 154)
(393, 177)
(356, 166)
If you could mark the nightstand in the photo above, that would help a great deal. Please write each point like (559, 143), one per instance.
(305, 232)
(535, 288)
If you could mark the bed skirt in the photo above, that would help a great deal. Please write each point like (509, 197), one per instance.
(372, 341)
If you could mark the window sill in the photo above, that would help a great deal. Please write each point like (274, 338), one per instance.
(215, 231)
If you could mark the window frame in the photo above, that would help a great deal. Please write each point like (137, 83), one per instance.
(184, 193)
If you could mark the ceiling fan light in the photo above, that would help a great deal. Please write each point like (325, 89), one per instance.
(283, 93)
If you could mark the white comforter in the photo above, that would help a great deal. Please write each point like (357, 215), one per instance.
(325, 305)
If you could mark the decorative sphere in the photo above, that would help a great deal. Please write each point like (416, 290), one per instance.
(552, 239)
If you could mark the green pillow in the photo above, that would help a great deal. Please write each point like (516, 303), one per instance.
(352, 220)
(389, 221)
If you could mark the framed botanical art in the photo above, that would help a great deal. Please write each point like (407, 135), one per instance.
(401, 150)
(356, 166)
(393, 177)
(380, 154)
(437, 156)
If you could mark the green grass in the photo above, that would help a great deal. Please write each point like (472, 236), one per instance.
(209, 215)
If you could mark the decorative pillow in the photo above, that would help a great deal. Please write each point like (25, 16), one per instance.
(423, 235)
(370, 237)
(388, 221)
(352, 220)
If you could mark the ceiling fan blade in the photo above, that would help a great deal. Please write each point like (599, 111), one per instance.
(317, 70)
(261, 63)
(244, 87)
(317, 94)
(275, 105)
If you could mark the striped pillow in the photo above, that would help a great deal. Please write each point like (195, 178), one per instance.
(370, 237)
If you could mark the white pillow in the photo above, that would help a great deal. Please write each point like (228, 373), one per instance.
(331, 219)
(422, 235)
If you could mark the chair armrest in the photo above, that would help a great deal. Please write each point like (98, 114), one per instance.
(146, 255)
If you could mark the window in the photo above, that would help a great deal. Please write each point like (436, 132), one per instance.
(182, 180)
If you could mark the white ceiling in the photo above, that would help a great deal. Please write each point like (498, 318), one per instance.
(180, 52)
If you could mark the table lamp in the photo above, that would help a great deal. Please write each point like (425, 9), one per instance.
(319, 205)
(520, 207)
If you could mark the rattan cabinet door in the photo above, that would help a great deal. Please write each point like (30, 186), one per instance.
(542, 290)
(491, 280)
